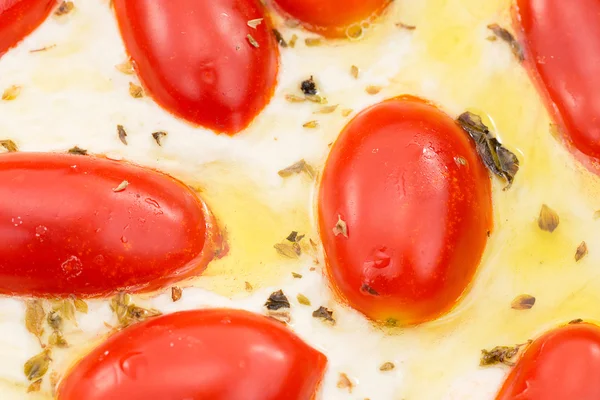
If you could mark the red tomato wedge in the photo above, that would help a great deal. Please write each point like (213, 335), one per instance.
(331, 18)
(197, 59)
(66, 228)
(18, 18)
(562, 46)
(563, 364)
(215, 354)
(416, 219)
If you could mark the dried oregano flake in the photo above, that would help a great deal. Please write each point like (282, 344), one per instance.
(11, 93)
(37, 366)
(387, 366)
(508, 37)
(64, 8)
(344, 382)
(34, 317)
(176, 293)
(277, 300)
(302, 299)
(78, 151)
(500, 355)
(324, 314)
(296, 168)
(135, 91)
(548, 219)
(126, 67)
(523, 302)
(159, 136)
(581, 251)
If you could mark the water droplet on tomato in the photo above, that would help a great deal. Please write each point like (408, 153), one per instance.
(134, 365)
(152, 202)
(40, 232)
(72, 266)
(379, 258)
(124, 239)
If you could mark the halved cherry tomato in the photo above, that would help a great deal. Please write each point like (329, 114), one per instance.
(215, 354)
(562, 364)
(200, 60)
(66, 228)
(404, 183)
(562, 49)
(18, 18)
(332, 17)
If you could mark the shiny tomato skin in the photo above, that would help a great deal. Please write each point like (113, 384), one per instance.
(562, 48)
(331, 18)
(18, 18)
(216, 354)
(66, 231)
(417, 219)
(562, 364)
(196, 61)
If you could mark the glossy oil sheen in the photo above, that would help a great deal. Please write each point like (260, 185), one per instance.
(563, 51)
(331, 18)
(417, 220)
(66, 231)
(195, 59)
(562, 364)
(18, 18)
(217, 354)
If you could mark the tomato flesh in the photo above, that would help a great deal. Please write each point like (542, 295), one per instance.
(195, 59)
(333, 17)
(563, 52)
(562, 364)
(66, 231)
(18, 18)
(417, 220)
(215, 354)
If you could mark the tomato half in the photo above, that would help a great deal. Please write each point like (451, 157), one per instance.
(215, 354)
(196, 59)
(563, 364)
(417, 219)
(562, 49)
(64, 230)
(332, 17)
(18, 18)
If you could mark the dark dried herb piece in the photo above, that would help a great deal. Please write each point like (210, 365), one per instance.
(388, 366)
(496, 157)
(345, 383)
(126, 67)
(296, 275)
(373, 89)
(309, 87)
(35, 386)
(523, 302)
(548, 220)
(64, 8)
(294, 237)
(581, 252)
(277, 300)
(500, 355)
(340, 228)
(325, 314)
(391, 322)
(34, 317)
(55, 320)
(248, 286)
(9, 145)
(176, 293)
(280, 40)
(575, 321)
(368, 289)
(122, 134)
(78, 151)
(508, 38)
(128, 313)
(159, 136)
(296, 168)
(37, 365)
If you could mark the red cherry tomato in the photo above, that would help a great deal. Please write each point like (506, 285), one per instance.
(64, 230)
(216, 354)
(416, 219)
(563, 52)
(18, 18)
(332, 17)
(196, 59)
(563, 364)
